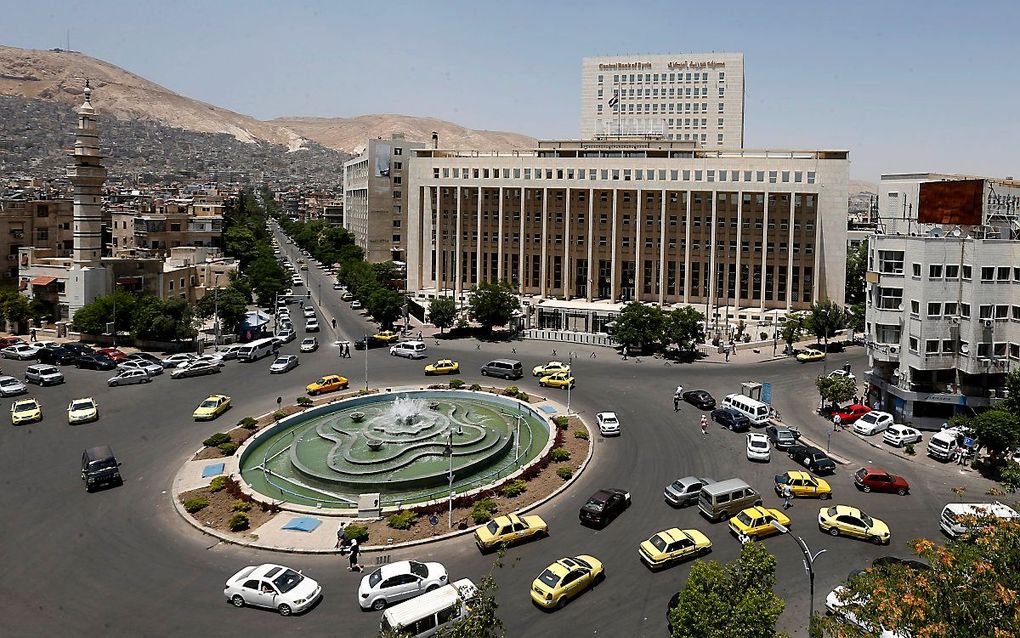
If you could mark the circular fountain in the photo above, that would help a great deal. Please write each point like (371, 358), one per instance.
(403, 446)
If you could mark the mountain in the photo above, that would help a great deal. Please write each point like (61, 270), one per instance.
(58, 76)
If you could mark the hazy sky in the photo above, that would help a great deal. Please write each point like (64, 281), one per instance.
(906, 86)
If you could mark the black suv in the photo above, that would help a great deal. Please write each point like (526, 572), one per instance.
(604, 506)
(812, 458)
(731, 419)
(96, 361)
(60, 355)
(700, 398)
(372, 343)
(100, 467)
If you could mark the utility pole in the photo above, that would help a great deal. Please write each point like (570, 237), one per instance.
(809, 566)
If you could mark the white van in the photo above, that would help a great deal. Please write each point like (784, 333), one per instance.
(951, 524)
(425, 615)
(943, 445)
(257, 349)
(409, 349)
(756, 411)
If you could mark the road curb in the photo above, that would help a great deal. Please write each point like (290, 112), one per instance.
(842, 460)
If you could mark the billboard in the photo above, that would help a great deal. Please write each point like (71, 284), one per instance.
(951, 202)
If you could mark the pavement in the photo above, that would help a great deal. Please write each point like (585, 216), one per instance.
(121, 562)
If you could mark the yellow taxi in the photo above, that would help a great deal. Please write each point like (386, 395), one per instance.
(213, 406)
(550, 368)
(810, 355)
(756, 522)
(443, 366)
(566, 579)
(386, 336)
(803, 485)
(850, 521)
(506, 530)
(561, 380)
(25, 411)
(672, 546)
(82, 410)
(328, 383)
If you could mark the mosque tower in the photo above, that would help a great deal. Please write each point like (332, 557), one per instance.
(88, 175)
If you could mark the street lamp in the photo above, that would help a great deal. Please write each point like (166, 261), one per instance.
(809, 565)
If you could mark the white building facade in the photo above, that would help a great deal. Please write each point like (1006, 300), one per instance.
(696, 98)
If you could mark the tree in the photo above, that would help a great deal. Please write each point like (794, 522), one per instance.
(970, 590)
(493, 304)
(228, 303)
(157, 320)
(685, 327)
(481, 620)
(1012, 400)
(91, 319)
(793, 325)
(997, 431)
(638, 325)
(826, 319)
(15, 309)
(836, 390)
(855, 318)
(267, 279)
(856, 268)
(443, 312)
(735, 599)
(386, 305)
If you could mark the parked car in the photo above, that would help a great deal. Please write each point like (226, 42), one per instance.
(781, 436)
(274, 587)
(758, 448)
(873, 479)
(283, 363)
(83, 410)
(175, 360)
(210, 357)
(151, 369)
(355, 305)
(22, 352)
(603, 506)
(700, 399)
(873, 422)
(194, 369)
(9, 387)
(850, 413)
(399, 581)
(812, 458)
(900, 435)
(96, 361)
(129, 377)
(731, 419)
(43, 374)
(145, 356)
(58, 355)
(6, 342)
(312, 325)
(684, 491)
(609, 424)
(113, 353)
(25, 411)
(287, 335)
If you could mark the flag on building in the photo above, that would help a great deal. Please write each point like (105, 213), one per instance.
(613, 101)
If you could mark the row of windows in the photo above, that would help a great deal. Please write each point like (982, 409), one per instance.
(685, 107)
(627, 174)
(697, 76)
(951, 346)
(654, 93)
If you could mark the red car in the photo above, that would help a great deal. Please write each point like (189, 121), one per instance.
(114, 354)
(873, 479)
(10, 341)
(850, 413)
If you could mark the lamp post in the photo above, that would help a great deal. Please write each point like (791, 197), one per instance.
(809, 565)
(570, 363)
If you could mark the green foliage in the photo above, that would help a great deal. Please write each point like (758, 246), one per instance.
(559, 455)
(581, 434)
(855, 317)
(827, 318)
(997, 430)
(481, 620)
(216, 439)
(93, 316)
(359, 532)
(169, 320)
(16, 310)
(733, 599)
(639, 324)
(523, 396)
(196, 504)
(836, 389)
(483, 510)
(856, 267)
(561, 422)
(909, 450)
(229, 304)
(240, 506)
(511, 391)
(228, 448)
(217, 483)
(239, 522)
(684, 327)
(1012, 401)
(248, 423)
(456, 383)
(442, 313)
(402, 520)
(1010, 475)
(304, 401)
(385, 305)
(564, 472)
(267, 278)
(278, 415)
(514, 488)
(475, 387)
(793, 326)
(493, 304)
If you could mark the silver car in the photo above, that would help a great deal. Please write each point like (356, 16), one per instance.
(129, 377)
(9, 387)
(194, 369)
(150, 369)
(283, 363)
(175, 360)
(685, 491)
(399, 581)
(43, 374)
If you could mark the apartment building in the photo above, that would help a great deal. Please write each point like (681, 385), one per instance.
(741, 232)
(695, 97)
(158, 225)
(375, 198)
(943, 295)
(28, 221)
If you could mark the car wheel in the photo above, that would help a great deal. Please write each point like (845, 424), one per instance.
(902, 491)
(379, 604)
(561, 602)
(432, 587)
(877, 540)
(284, 610)
(825, 497)
(114, 384)
(237, 601)
(866, 488)
(833, 531)
(484, 373)
(601, 577)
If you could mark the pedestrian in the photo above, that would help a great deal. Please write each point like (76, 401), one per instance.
(334, 323)
(32, 336)
(592, 355)
(513, 350)
(787, 496)
(679, 392)
(341, 539)
(554, 352)
(347, 350)
(727, 355)
(676, 403)
(626, 350)
(419, 335)
(355, 551)
(704, 424)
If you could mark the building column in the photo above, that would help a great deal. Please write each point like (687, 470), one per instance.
(543, 271)
(567, 275)
(687, 251)
(614, 278)
(662, 248)
(499, 244)
(521, 267)
(789, 257)
(713, 294)
(740, 237)
(438, 247)
(591, 245)
(458, 284)
(478, 242)
(764, 254)
(639, 266)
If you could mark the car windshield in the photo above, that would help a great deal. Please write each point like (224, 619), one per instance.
(678, 486)
(658, 543)
(11, 381)
(24, 407)
(582, 563)
(492, 527)
(758, 443)
(287, 581)
(102, 464)
(209, 403)
(869, 418)
(281, 360)
(419, 569)
(868, 521)
(831, 512)
(374, 578)
(81, 405)
(549, 578)
(744, 518)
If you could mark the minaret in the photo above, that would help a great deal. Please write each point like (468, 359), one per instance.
(88, 175)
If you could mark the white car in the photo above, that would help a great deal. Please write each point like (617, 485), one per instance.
(312, 325)
(758, 447)
(20, 351)
(399, 581)
(273, 587)
(873, 422)
(842, 373)
(309, 312)
(609, 425)
(283, 363)
(337, 286)
(9, 386)
(195, 369)
(129, 377)
(150, 369)
(43, 374)
(309, 344)
(175, 360)
(355, 305)
(347, 297)
(214, 359)
(82, 410)
(900, 435)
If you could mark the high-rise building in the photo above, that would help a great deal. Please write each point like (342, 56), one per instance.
(88, 175)
(697, 97)
(27, 219)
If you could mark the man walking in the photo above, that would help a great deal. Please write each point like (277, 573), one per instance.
(355, 550)
(787, 496)
(676, 403)
(704, 425)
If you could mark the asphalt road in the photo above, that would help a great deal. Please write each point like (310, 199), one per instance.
(119, 562)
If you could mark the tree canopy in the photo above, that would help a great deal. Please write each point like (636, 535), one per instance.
(685, 327)
(639, 325)
(856, 268)
(443, 312)
(229, 303)
(493, 304)
(827, 318)
(836, 389)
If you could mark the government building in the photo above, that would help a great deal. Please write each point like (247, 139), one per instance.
(581, 227)
(695, 98)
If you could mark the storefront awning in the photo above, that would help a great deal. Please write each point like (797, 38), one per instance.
(43, 281)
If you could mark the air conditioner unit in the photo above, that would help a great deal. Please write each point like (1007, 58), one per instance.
(984, 361)
(894, 349)
(954, 319)
(988, 323)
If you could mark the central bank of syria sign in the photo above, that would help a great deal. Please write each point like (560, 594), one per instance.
(626, 66)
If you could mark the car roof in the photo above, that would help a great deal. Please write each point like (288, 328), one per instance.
(848, 509)
(392, 569)
(606, 414)
(756, 436)
(26, 400)
(725, 486)
(672, 534)
(798, 474)
(99, 452)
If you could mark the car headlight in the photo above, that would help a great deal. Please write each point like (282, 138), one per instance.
(300, 601)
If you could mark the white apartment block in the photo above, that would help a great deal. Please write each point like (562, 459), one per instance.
(943, 301)
(695, 97)
(622, 220)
